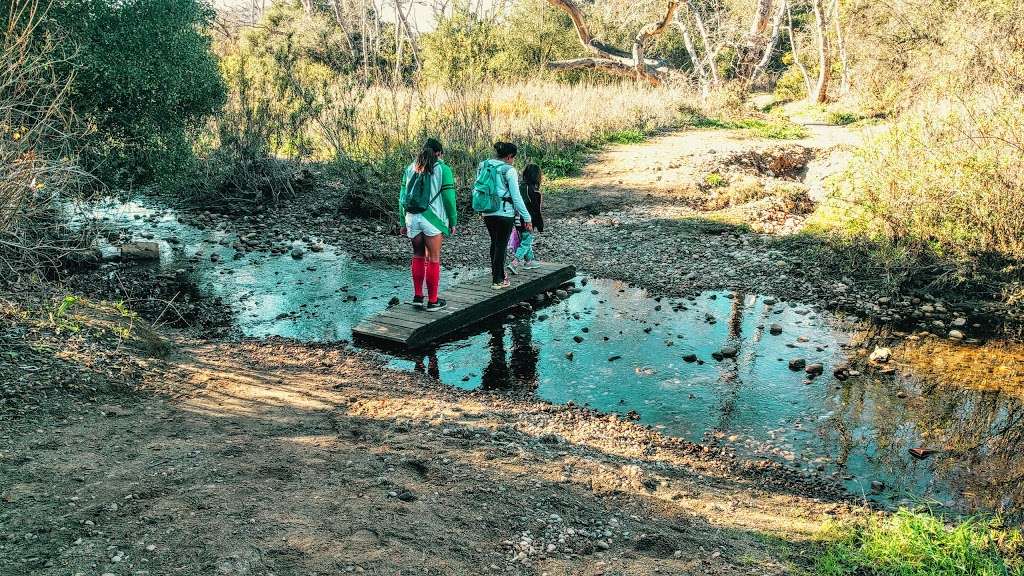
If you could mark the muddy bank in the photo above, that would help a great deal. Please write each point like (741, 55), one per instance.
(285, 458)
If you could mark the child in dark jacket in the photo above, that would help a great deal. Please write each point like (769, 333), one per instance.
(530, 190)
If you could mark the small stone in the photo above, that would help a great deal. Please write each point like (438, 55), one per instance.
(797, 364)
(297, 253)
(956, 335)
(568, 355)
(690, 358)
(815, 369)
(880, 355)
(775, 329)
(729, 351)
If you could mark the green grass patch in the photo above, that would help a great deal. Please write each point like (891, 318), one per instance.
(921, 544)
(773, 127)
(629, 136)
(842, 118)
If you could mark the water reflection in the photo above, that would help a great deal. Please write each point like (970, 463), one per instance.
(978, 463)
(519, 373)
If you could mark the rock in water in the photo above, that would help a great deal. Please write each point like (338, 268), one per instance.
(690, 358)
(393, 302)
(815, 369)
(797, 364)
(297, 253)
(728, 351)
(775, 329)
(921, 453)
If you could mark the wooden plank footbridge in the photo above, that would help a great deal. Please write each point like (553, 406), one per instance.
(469, 302)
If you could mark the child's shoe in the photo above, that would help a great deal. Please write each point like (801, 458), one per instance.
(513, 266)
(531, 265)
(502, 286)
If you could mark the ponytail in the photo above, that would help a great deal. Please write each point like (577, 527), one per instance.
(426, 161)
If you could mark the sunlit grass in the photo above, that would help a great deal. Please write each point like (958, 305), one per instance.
(920, 544)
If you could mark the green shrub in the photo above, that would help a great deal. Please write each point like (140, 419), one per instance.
(145, 78)
(715, 180)
(790, 86)
(842, 118)
(920, 544)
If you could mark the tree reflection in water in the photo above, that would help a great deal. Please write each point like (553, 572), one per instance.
(979, 437)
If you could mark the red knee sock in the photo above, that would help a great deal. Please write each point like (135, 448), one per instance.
(433, 280)
(418, 274)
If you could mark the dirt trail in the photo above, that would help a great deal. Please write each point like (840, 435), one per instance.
(274, 458)
(687, 166)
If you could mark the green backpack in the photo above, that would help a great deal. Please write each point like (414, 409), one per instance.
(486, 199)
(417, 193)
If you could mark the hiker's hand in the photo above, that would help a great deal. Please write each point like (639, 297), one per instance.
(451, 231)
(528, 226)
(402, 231)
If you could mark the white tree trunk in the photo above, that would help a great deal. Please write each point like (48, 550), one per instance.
(820, 94)
(796, 53)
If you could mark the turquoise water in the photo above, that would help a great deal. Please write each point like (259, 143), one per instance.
(631, 359)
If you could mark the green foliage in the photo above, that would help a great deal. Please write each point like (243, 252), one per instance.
(627, 136)
(715, 180)
(771, 127)
(791, 86)
(839, 118)
(463, 47)
(145, 80)
(920, 544)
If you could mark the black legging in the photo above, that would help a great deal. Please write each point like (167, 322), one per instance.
(500, 229)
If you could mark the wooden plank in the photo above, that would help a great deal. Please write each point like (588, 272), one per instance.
(469, 303)
(382, 332)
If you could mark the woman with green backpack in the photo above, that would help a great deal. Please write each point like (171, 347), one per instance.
(426, 209)
(496, 196)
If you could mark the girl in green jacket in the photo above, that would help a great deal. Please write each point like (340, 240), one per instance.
(427, 228)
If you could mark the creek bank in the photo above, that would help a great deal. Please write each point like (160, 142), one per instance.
(296, 456)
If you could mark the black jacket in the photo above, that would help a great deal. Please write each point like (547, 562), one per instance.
(534, 202)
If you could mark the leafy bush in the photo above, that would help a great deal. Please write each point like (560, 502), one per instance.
(790, 86)
(946, 187)
(919, 544)
(144, 77)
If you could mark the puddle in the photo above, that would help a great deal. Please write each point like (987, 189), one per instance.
(628, 354)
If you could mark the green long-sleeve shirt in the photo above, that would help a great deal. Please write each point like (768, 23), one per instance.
(442, 212)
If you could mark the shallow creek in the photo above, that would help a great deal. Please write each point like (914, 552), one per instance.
(631, 360)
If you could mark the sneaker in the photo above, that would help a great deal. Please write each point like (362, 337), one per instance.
(435, 306)
(417, 302)
(531, 265)
(502, 285)
(513, 266)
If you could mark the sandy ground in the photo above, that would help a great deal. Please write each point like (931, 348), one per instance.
(278, 458)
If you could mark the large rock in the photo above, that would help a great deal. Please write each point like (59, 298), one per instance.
(140, 251)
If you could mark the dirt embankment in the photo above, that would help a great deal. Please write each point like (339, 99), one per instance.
(280, 458)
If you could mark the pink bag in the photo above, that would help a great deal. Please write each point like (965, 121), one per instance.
(514, 240)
